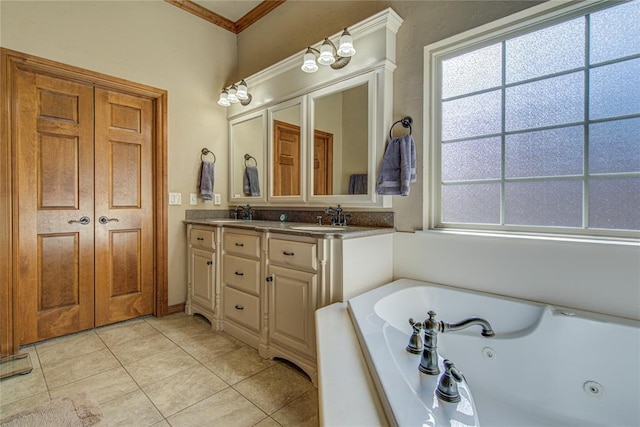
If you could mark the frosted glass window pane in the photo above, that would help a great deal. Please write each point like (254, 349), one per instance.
(471, 203)
(551, 50)
(546, 102)
(473, 71)
(475, 159)
(614, 203)
(545, 153)
(615, 90)
(544, 203)
(472, 116)
(615, 32)
(614, 146)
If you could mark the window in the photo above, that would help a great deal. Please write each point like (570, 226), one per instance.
(536, 127)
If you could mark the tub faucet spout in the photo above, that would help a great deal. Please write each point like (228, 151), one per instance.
(487, 330)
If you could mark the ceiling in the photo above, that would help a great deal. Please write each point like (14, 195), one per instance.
(232, 15)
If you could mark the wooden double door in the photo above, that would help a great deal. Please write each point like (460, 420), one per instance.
(84, 181)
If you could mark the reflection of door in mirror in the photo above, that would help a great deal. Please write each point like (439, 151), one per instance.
(286, 155)
(322, 163)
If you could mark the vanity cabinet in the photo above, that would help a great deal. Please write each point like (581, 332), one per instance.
(201, 291)
(292, 288)
(241, 284)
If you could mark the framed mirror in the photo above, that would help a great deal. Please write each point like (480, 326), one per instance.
(248, 154)
(341, 135)
(287, 151)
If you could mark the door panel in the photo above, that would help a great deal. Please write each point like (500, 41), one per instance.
(123, 197)
(54, 137)
(287, 159)
(322, 163)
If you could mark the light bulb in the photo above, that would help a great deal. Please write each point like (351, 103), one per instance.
(346, 45)
(326, 53)
(223, 101)
(241, 94)
(309, 63)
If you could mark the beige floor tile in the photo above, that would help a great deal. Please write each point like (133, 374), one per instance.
(162, 423)
(227, 408)
(133, 409)
(20, 387)
(33, 355)
(102, 387)
(178, 321)
(131, 351)
(268, 422)
(238, 365)
(184, 389)
(24, 404)
(120, 333)
(160, 366)
(210, 345)
(302, 412)
(274, 388)
(71, 370)
(66, 347)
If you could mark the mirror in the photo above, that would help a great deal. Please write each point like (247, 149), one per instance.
(248, 154)
(287, 161)
(341, 141)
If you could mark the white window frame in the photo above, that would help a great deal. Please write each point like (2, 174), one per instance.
(540, 16)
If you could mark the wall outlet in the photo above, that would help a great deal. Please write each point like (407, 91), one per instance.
(193, 199)
(175, 198)
(216, 199)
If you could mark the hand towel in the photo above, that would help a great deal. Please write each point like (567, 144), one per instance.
(358, 183)
(251, 182)
(398, 168)
(205, 182)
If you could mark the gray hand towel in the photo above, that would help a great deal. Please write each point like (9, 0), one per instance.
(358, 183)
(251, 182)
(398, 168)
(205, 182)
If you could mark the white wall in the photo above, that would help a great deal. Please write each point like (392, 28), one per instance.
(149, 42)
(594, 276)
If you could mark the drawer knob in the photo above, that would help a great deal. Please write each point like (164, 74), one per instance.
(285, 253)
(239, 273)
(209, 262)
(199, 238)
(241, 245)
(239, 307)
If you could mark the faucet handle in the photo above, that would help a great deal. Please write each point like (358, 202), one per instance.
(448, 385)
(415, 342)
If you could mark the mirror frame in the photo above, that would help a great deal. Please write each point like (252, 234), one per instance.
(233, 165)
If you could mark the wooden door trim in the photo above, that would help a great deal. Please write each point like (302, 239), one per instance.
(10, 63)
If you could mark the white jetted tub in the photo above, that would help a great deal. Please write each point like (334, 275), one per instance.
(545, 366)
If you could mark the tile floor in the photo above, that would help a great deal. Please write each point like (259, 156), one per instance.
(171, 371)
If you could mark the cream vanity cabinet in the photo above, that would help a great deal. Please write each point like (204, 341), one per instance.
(201, 287)
(241, 284)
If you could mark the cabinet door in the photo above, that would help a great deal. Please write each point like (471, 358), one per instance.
(202, 265)
(292, 303)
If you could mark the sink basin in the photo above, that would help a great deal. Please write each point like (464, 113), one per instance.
(317, 228)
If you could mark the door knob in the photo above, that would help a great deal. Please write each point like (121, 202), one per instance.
(84, 220)
(104, 220)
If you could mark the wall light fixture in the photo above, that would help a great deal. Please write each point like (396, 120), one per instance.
(234, 94)
(328, 54)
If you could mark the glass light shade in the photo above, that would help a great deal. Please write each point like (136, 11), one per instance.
(232, 97)
(223, 101)
(241, 93)
(346, 48)
(326, 53)
(309, 64)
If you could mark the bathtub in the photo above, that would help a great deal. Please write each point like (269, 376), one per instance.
(546, 366)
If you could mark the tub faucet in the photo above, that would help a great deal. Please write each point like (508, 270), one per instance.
(487, 330)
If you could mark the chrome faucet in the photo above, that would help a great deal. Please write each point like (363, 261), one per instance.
(431, 327)
(448, 384)
(338, 217)
(247, 212)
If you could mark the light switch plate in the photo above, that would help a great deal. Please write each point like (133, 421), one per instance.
(193, 199)
(216, 199)
(175, 198)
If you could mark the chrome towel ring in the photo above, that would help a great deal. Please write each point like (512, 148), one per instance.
(206, 151)
(406, 123)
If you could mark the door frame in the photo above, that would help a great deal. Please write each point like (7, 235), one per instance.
(10, 63)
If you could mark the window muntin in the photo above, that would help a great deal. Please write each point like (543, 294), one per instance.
(541, 131)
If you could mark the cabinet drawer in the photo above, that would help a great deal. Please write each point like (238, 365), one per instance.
(242, 273)
(204, 238)
(242, 308)
(292, 253)
(242, 244)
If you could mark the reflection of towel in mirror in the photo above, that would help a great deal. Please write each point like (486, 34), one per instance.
(205, 181)
(251, 182)
(398, 167)
(358, 183)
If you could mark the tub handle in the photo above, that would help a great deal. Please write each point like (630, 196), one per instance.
(415, 342)
(448, 385)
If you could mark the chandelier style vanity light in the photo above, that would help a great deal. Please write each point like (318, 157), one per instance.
(234, 94)
(328, 54)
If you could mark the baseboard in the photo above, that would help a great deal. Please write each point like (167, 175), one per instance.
(177, 308)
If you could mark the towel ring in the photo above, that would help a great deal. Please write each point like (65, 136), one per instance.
(206, 151)
(248, 157)
(406, 123)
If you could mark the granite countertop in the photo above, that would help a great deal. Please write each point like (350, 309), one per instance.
(296, 228)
